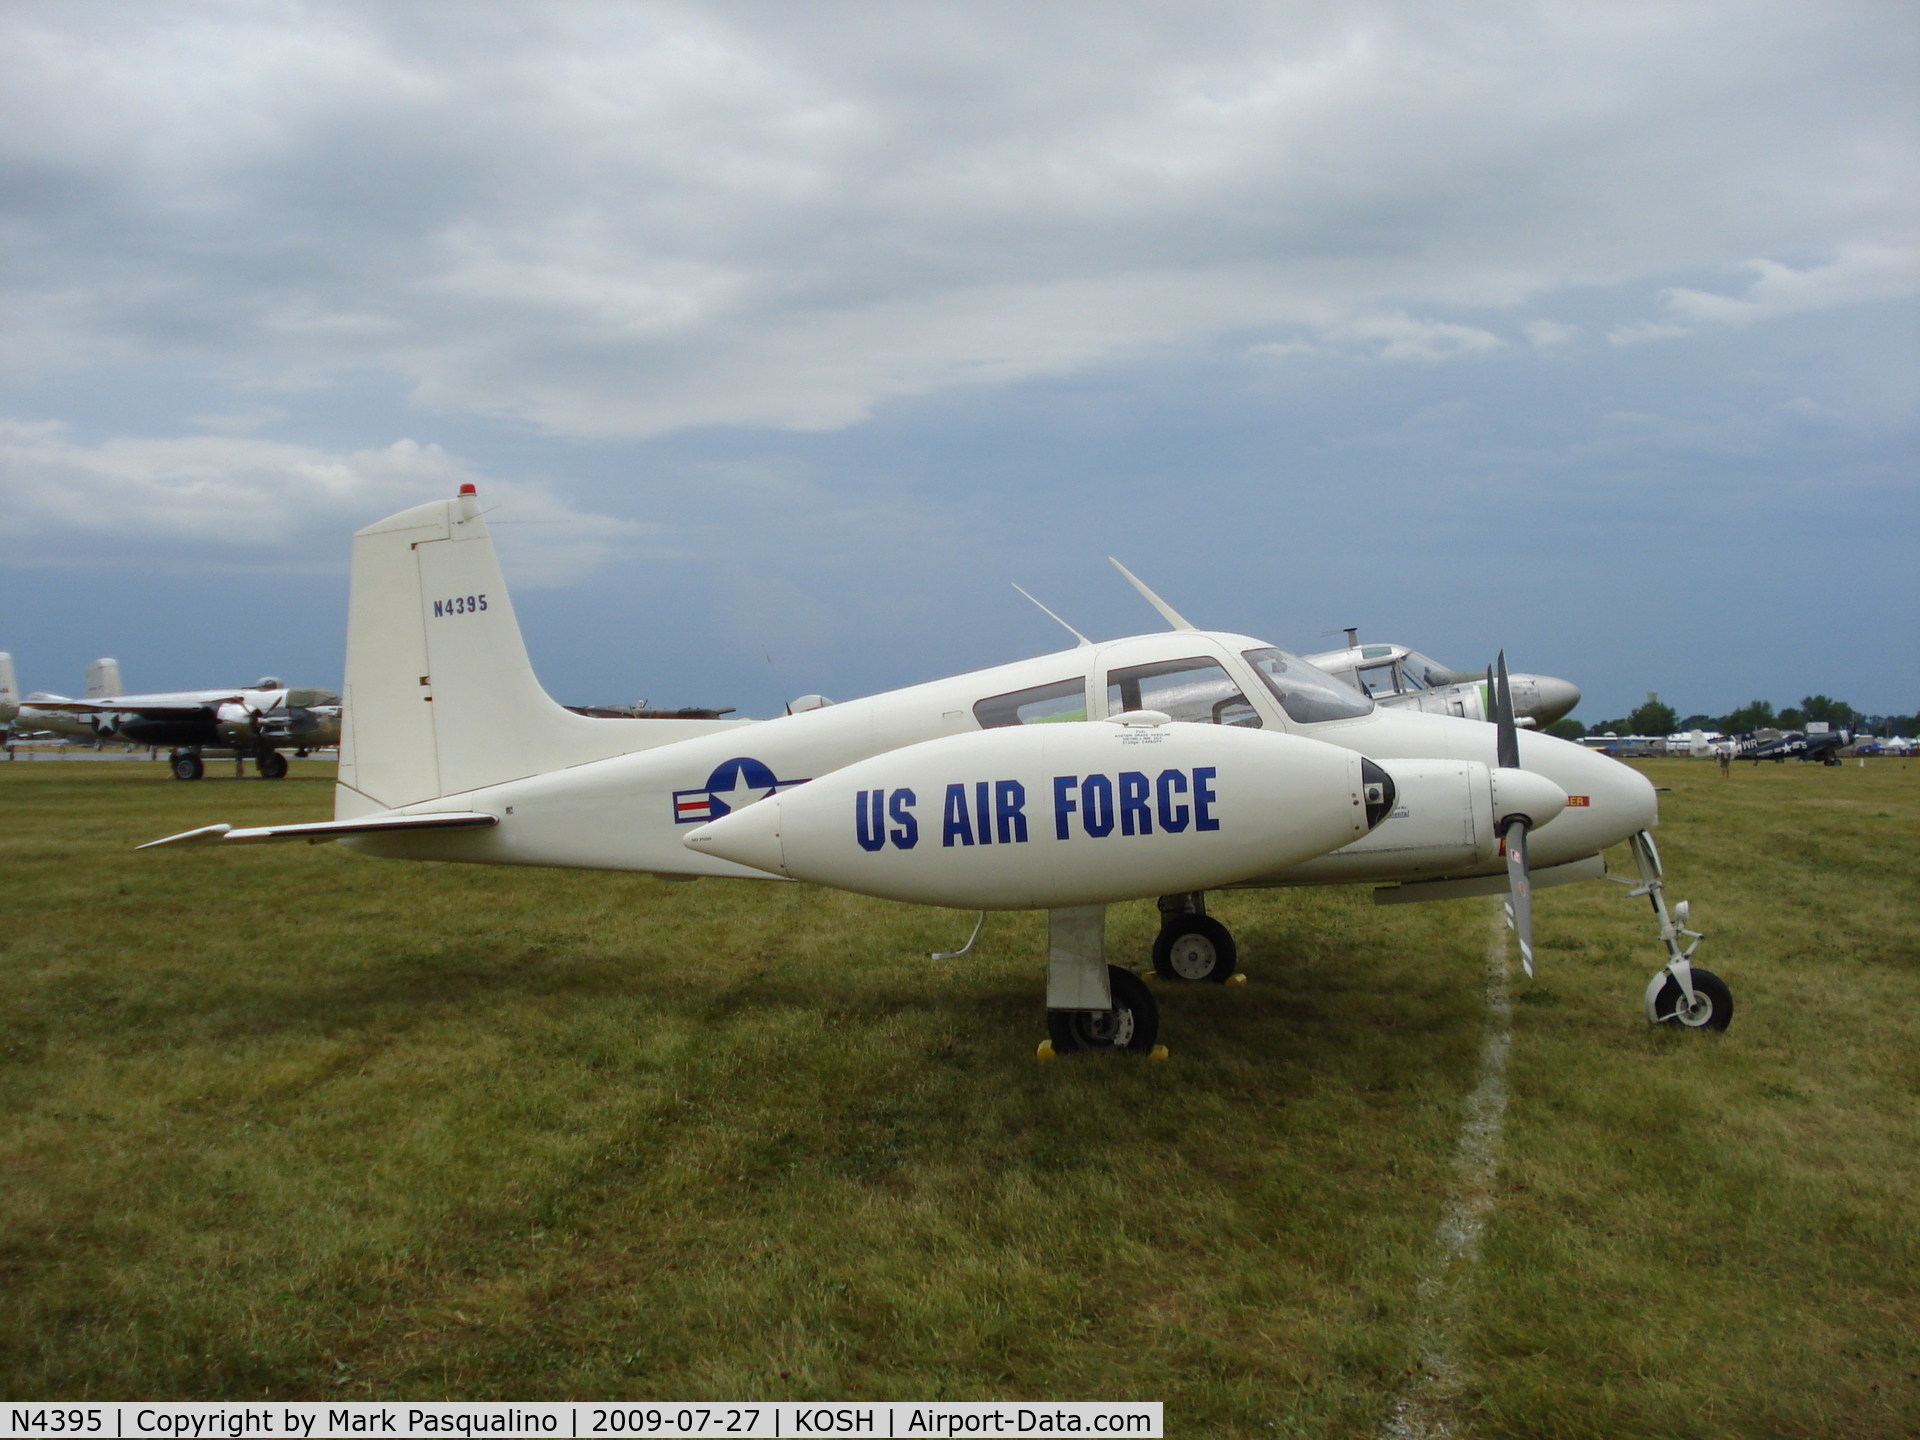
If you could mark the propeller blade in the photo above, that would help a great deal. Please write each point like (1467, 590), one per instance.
(1507, 754)
(1520, 892)
(1508, 742)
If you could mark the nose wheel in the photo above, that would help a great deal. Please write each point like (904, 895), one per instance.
(1709, 1008)
(187, 767)
(272, 765)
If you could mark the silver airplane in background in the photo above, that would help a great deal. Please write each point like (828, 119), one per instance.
(1402, 678)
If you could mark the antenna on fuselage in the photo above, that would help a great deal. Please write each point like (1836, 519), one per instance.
(1068, 628)
(1172, 616)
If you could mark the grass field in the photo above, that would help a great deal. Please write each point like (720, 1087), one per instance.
(290, 1123)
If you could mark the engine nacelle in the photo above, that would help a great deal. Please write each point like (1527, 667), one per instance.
(1447, 819)
(314, 727)
(1038, 816)
(235, 724)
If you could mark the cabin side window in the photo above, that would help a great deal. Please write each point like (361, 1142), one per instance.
(1196, 689)
(1040, 705)
(1378, 679)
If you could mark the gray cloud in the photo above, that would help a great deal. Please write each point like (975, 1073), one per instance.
(1858, 273)
(248, 504)
(610, 219)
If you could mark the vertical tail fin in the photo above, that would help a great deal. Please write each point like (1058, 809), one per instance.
(103, 679)
(440, 696)
(9, 689)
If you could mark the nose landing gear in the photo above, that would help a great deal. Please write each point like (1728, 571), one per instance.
(1678, 994)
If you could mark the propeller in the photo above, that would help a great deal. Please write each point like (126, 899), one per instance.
(1514, 827)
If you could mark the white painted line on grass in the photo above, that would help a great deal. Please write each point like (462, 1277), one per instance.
(1420, 1411)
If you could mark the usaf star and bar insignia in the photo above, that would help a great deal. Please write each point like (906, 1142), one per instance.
(733, 784)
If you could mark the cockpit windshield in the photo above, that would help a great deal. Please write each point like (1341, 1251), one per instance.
(1306, 694)
(1424, 674)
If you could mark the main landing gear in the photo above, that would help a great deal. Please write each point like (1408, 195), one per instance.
(1132, 1021)
(1092, 1005)
(188, 765)
(1680, 994)
(1191, 944)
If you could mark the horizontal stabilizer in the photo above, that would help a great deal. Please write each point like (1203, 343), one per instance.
(320, 831)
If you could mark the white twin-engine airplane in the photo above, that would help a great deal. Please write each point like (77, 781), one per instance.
(1162, 765)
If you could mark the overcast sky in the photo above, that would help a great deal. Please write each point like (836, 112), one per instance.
(787, 335)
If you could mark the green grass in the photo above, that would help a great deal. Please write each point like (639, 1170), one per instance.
(286, 1122)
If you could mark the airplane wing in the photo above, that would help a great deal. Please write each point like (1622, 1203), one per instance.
(121, 707)
(320, 831)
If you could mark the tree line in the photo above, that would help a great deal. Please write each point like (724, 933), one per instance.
(1656, 717)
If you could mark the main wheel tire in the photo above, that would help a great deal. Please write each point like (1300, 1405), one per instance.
(1712, 1007)
(272, 766)
(1132, 1024)
(1194, 947)
(188, 767)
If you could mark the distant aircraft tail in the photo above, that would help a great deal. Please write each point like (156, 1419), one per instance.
(9, 689)
(103, 679)
(440, 696)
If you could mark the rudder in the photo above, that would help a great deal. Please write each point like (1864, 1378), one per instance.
(440, 695)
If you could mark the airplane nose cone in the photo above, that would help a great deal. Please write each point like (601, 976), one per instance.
(750, 836)
(1553, 699)
(1620, 793)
